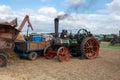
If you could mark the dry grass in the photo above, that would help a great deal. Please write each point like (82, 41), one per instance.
(105, 67)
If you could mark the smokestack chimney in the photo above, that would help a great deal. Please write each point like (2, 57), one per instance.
(56, 23)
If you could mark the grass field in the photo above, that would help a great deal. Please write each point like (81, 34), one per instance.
(107, 45)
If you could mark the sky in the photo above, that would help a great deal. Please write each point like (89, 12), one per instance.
(97, 16)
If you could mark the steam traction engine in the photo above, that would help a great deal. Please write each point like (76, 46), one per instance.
(81, 44)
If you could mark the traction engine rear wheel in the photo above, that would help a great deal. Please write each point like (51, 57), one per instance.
(90, 48)
(49, 53)
(63, 54)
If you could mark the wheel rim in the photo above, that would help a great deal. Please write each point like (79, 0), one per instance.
(63, 54)
(49, 53)
(91, 48)
(32, 56)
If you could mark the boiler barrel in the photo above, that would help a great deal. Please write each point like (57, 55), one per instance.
(73, 42)
(60, 42)
(64, 42)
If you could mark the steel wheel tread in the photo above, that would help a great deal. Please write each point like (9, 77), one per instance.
(90, 48)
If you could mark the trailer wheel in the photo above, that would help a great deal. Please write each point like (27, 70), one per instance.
(3, 60)
(63, 54)
(89, 48)
(32, 55)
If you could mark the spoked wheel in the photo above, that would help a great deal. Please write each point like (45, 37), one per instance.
(90, 48)
(49, 53)
(3, 60)
(32, 55)
(63, 54)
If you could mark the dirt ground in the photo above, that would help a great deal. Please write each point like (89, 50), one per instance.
(105, 67)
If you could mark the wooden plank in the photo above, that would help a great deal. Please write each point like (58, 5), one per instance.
(33, 46)
(38, 45)
(42, 45)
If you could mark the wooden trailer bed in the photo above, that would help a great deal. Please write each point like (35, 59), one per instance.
(31, 45)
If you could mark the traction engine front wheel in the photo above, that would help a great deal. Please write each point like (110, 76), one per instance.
(63, 54)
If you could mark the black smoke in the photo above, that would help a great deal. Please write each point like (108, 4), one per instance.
(82, 7)
(61, 17)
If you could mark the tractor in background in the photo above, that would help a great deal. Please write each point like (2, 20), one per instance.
(82, 44)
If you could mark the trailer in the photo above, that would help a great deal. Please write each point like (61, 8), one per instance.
(31, 49)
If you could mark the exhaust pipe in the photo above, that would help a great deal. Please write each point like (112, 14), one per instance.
(56, 23)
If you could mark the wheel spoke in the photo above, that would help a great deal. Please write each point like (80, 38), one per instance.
(49, 54)
(90, 48)
(93, 52)
(64, 55)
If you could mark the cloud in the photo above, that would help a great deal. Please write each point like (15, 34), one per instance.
(4, 9)
(47, 11)
(42, 19)
(110, 17)
(112, 7)
(103, 23)
(5, 12)
(75, 2)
